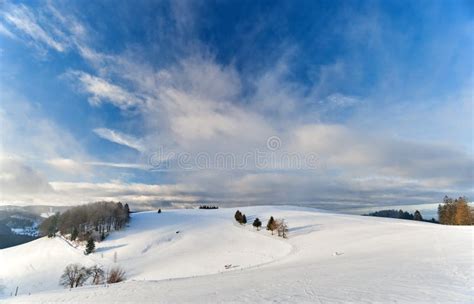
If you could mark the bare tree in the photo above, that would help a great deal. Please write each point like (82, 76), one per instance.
(277, 226)
(74, 275)
(97, 274)
(116, 275)
(282, 228)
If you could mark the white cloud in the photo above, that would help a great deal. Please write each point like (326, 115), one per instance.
(120, 138)
(102, 90)
(17, 178)
(4, 31)
(25, 21)
(357, 152)
(119, 165)
(342, 101)
(67, 165)
(28, 133)
(123, 191)
(73, 193)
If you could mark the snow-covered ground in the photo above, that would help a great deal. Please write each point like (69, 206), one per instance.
(327, 258)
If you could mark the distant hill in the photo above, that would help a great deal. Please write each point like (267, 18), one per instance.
(19, 224)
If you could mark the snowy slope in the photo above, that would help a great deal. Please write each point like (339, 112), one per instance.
(328, 258)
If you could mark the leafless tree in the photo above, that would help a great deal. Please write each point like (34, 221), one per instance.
(116, 275)
(74, 275)
(97, 274)
(282, 228)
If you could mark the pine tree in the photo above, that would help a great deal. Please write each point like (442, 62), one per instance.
(271, 224)
(244, 219)
(159, 210)
(238, 216)
(127, 210)
(90, 246)
(257, 223)
(417, 216)
(74, 233)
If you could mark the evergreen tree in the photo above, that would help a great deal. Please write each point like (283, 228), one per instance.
(159, 210)
(257, 223)
(74, 234)
(244, 219)
(417, 216)
(270, 222)
(238, 216)
(271, 225)
(127, 210)
(90, 246)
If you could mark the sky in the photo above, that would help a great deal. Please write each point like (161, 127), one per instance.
(338, 104)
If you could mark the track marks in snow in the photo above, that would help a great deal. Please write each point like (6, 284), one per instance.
(163, 241)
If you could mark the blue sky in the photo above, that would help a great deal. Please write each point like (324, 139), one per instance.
(380, 92)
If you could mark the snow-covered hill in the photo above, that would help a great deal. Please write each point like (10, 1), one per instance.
(180, 256)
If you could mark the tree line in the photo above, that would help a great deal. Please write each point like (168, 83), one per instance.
(399, 214)
(273, 225)
(455, 212)
(94, 221)
(208, 207)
